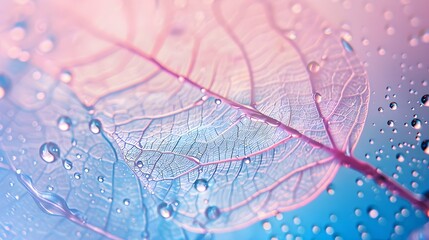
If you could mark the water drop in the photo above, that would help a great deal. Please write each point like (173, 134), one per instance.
(416, 123)
(218, 101)
(313, 67)
(165, 210)
(95, 126)
(380, 109)
(400, 157)
(49, 152)
(246, 160)
(393, 105)
(425, 100)
(67, 164)
(201, 185)
(212, 213)
(390, 123)
(77, 176)
(373, 213)
(100, 179)
(139, 164)
(318, 97)
(425, 146)
(66, 76)
(64, 123)
(126, 202)
(346, 45)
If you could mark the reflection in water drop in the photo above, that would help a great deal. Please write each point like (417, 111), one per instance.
(126, 202)
(201, 185)
(373, 213)
(95, 126)
(416, 123)
(165, 210)
(64, 123)
(212, 213)
(425, 146)
(49, 152)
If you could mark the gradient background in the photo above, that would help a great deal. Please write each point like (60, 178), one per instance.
(389, 37)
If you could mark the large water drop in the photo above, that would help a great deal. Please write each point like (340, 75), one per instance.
(165, 210)
(49, 152)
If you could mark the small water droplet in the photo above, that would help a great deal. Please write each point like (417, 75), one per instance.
(416, 123)
(95, 126)
(373, 213)
(64, 123)
(390, 123)
(346, 45)
(246, 160)
(400, 157)
(126, 202)
(77, 176)
(318, 97)
(66, 76)
(67, 164)
(139, 164)
(393, 105)
(165, 210)
(425, 146)
(380, 109)
(100, 179)
(212, 213)
(313, 67)
(218, 101)
(49, 152)
(425, 100)
(201, 185)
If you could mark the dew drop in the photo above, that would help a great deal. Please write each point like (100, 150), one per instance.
(64, 123)
(425, 146)
(318, 97)
(66, 76)
(416, 123)
(425, 100)
(218, 101)
(313, 67)
(400, 157)
(126, 202)
(95, 126)
(212, 213)
(4, 85)
(390, 123)
(201, 185)
(139, 164)
(77, 176)
(393, 105)
(100, 179)
(246, 160)
(165, 210)
(67, 164)
(373, 213)
(49, 152)
(380, 109)
(346, 45)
